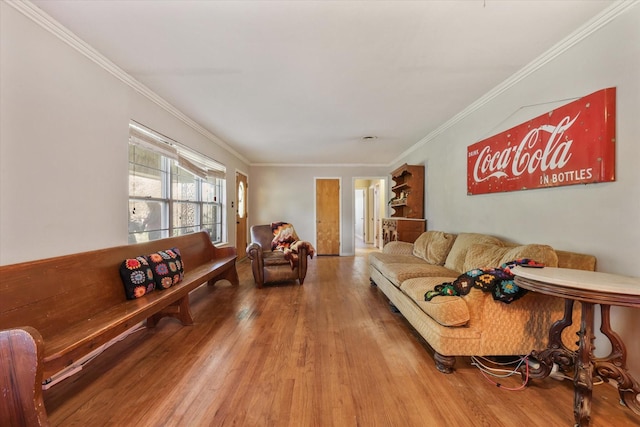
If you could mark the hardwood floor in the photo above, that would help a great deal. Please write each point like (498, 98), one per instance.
(328, 353)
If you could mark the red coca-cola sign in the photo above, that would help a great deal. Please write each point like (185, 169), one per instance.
(573, 144)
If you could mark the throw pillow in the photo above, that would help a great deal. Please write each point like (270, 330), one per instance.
(167, 267)
(542, 254)
(137, 277)
(433, 246)
(458, 253)
(485, 256)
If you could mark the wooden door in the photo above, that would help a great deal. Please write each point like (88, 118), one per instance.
(328, 216)
(241, 214)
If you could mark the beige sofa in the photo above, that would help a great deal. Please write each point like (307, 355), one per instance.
(474, 324)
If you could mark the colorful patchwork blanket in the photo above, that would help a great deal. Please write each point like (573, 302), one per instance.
(283, 235)
(286, 240)
(498, 281)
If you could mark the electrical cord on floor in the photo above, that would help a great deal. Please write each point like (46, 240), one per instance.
(488, 372)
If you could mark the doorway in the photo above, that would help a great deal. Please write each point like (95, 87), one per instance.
(369, 209)
(360, 213)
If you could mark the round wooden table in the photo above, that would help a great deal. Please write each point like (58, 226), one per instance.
(589, 288)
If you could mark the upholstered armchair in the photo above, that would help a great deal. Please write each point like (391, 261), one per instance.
(271, 266)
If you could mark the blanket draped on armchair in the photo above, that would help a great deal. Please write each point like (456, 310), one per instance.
(286, 240)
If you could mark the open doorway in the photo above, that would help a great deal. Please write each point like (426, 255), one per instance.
(369, 209)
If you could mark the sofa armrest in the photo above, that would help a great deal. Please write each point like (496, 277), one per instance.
(398, 248)
(520, 326)
(254, 252)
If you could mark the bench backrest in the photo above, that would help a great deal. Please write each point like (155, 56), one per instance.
(56, 292)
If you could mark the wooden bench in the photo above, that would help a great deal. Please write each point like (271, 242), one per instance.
(21, 402)
(77, 302)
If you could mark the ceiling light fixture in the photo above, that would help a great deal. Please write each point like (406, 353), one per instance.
(369, 138)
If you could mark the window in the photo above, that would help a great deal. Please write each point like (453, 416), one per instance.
(242, 205)
(172, 191)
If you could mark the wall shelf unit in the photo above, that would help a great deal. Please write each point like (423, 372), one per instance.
(406, 223)
(408, 192)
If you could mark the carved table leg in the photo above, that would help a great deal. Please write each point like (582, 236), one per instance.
(556, 352)
(583, 379)
(614, 366)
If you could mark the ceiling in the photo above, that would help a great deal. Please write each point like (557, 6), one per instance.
(301, 82)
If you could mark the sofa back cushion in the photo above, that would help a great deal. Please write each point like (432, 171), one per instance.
(482, 255)
(576, 261)
(433, 246)
(458, 253)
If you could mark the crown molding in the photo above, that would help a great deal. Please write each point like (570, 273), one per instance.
(597, 22)
(48, 23)
(320, 165)
(41, 18)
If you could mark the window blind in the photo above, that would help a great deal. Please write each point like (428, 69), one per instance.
(187, 159)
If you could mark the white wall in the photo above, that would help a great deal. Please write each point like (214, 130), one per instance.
(287, 193)
(600, 219)
(63, 145)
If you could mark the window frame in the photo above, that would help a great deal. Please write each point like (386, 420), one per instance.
(175, 161)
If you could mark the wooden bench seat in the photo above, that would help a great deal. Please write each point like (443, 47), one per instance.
(77, 302)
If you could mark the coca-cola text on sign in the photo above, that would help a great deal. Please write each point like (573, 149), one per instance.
(573, 144)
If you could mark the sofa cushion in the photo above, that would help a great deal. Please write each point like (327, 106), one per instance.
(576, 261)
(447, 311)
(378, 259)
(398, 273)
(274, 258)
(398, 248)
(433, 246)
(458, 253)
(543, 254)
(482, 255)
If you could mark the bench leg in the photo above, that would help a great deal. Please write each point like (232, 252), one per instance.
(231, 275)
(179, 310)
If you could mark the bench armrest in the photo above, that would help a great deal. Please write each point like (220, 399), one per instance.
(21, 352)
